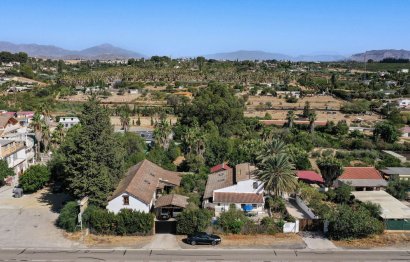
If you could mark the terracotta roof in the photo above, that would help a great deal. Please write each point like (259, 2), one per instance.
(218, 180)
(143, 179)
(172, 200)
(5, 119)
(242, 198)
(309, 175)
(360, 173)
(220, 167)
(405, 129)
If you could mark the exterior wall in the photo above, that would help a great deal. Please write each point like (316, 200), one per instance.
(222, 207)
(116, 204)
(305, 208)
(245, 186)
(291, 227)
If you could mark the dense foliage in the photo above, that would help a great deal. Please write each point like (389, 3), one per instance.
(233, 220)
(67, 219)
(34, 178)
(5, 171)
(126, 222)
(193, 220)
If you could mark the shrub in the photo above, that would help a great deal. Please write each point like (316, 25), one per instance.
(398, 188)
(350, 223)
(34, 178)
(126, 222)
(5, 171)
(343, 194)
(67, 219)
(233, 220)
(193, 220)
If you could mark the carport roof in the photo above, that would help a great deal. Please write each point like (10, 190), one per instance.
(172, 200)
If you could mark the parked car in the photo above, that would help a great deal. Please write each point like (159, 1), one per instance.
(203, 238)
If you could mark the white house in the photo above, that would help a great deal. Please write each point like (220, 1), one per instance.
(246, 195)
(403, 102)
(69, 121)
(139, 189)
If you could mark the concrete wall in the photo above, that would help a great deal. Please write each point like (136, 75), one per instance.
(291, 227)
(305, 208)
(116, 204)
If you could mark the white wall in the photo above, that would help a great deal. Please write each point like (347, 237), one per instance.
(225, 207)
(305, 208)
(291, 227)
(245, 186)
(116, 204)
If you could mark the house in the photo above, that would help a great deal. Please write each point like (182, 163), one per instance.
(68, 121)
(170, 205)
(139, 189)
(403, 102)
(309, 177)
(391, 173)
(362, 178)
(246, 195)
(220, 167)
(15, 155)
(405, 131)
(225, 177)
(395, 214)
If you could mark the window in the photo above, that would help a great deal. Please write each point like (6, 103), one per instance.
(125, 200)
(254, 205)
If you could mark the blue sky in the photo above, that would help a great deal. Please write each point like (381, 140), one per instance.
(195, 27)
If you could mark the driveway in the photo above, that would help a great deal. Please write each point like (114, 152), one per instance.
(316, 241)
(29, 221)
(163, 241)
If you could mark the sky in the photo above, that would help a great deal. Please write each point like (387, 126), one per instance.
(199, 27)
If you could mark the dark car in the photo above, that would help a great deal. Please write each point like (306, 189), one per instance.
(203, 238)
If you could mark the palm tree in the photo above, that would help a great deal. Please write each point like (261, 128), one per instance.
(162, 133)
(277, 174)
(46, 137)
(58, 134)
(270, 149)
(45, 110)
(312, 119)
(125, 119)
(37, 126)
(291, 118)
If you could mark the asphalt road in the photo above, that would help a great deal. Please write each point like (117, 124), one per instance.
(199, 255)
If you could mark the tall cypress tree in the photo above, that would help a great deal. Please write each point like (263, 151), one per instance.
(93, 158)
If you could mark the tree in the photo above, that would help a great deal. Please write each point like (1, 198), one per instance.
(330, 169)
(353, 222)
(125, 119)
(37, 126)
(162, 134)
(233, 220)
(343, 194)
(58, 134)
(277, 175)
(312, 119)
(92, 157)
(193, 220)
(5, 171)
(398, 188)
(34, 178)
(67, 219)
(306, 109)
(386, 131)
(271, 148)
(134, 146)
(291, 118)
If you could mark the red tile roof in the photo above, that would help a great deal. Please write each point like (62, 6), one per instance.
(360, 173)
(220, 167)
(309, 175)
(239, 198)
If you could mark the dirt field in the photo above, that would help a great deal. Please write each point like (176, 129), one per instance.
(128, 98)
(398, 240)
(145, 120)
(108, 241)
(316, 102)
(28, 80)
(321, 116)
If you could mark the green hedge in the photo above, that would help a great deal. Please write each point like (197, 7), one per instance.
(35, 178)
(126, 222)
(193, 220)
(68, 217)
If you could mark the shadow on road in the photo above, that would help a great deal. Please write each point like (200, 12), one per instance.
(56, 201)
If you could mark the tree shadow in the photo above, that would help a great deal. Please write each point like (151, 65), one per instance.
(56, 201)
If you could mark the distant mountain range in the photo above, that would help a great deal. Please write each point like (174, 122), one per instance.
(107, 51)
(104, 51)
(377, 55)
(261, 55)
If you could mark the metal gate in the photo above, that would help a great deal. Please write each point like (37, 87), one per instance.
(165, 227)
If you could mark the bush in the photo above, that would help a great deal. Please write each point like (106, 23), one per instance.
(5, 171)
(34, 178)
(233, 220)
(67, 219)
(398, 188)
(193, 220)
(351, 223)
(126, 222)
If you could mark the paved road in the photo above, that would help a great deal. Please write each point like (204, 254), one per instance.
(199, 255)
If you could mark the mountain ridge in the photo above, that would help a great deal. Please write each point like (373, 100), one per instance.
(378, 55)
(103, 51)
